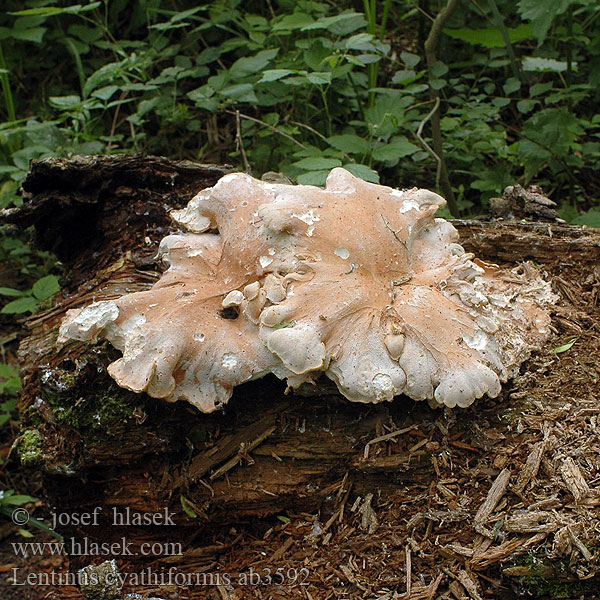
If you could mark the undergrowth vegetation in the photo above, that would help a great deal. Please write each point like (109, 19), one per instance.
(300, 87)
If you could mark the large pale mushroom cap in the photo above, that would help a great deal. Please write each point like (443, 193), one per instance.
(356, 280)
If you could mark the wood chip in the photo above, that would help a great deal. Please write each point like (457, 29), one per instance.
(574, 480)
(494, 495)
(469, 584)
(532, 466)
(535, 521)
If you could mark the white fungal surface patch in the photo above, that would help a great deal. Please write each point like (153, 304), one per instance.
(229, 361)
(410, 312)
(309, 218)
(409, 205)
(478, 341)
(265, 261)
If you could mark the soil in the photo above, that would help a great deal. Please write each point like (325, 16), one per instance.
(305, 495)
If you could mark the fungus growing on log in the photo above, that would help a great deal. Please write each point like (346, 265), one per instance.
(355, 280)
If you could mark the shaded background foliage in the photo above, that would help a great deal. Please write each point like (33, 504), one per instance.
(301, 87)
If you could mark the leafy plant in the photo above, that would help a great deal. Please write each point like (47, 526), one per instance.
(10, 384)
(29, 300)
(9, 500)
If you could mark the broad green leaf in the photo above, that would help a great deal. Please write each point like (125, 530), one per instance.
(50, 11)
(4, 418)
(252, 65)
(313, 178)
(511, 86)
(541, 13)
(104, 93)
(535, 63)
(296, 20)
(349, 143)
(439, 69)
(410, 60)
(45, 287)
(274, 75)
(341, 24)
(242, 92)
(540, 88)
(363, 172)
(64, 102)
(319, 78)
(564, 348)
(490, 37)
(314, 163)
(395, 150)
(404, 76)
(32, 34)
(524, 106)
(5, 291)
(20, 306)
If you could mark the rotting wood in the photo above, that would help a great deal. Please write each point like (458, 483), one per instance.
(319, 441)
(494, 495)
(573, 479)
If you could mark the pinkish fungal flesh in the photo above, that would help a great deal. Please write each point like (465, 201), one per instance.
(355, 280)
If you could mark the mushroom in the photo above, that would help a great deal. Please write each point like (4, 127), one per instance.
(356, 280)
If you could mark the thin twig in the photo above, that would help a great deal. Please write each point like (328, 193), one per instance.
(255, 120)
(240, 142)
(419, 134)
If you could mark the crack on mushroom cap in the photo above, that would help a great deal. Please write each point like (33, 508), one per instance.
(356, 280)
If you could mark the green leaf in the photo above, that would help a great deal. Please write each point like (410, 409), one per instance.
(525, 106)
(314, 163)
(439, 69)
(349, 143)
(341, 24)
(187, 508)
(296, 20)
(64, 102)
(535, 63)
(49, 11)
(313, 178)
(24, 533)
(490, 37)
(564, 348)
(410, 60)
(284, 519)
(404, 76)
(22, 305)
(539, 88)
(395, 150)
(45, 287)
(437, 84)
(17, 499)
(31, 34)
(274, 75)
(5, 291)
(241, 92)
(511, 86)
(541, 13)
(590, 218)
(363, 172)
(319, 78)
(252, 65)
(104, 93)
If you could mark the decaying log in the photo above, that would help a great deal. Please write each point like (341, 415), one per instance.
(266, 452)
